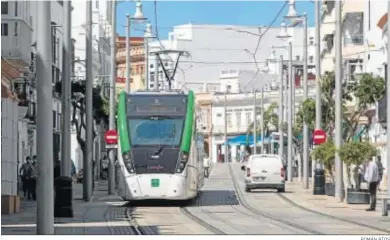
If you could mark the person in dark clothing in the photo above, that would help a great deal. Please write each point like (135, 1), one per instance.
(33, 179)
(23, 172)
(57, 169)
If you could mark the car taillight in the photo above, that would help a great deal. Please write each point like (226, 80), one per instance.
(128, 161)
(282, 172)
(182, 162)
(248, 172)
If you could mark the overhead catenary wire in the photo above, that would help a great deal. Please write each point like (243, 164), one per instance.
(259, 40)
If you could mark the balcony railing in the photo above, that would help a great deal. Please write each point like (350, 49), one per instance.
(220, 129)
(357, 39)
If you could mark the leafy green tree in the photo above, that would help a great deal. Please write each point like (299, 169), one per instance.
(326, 154)
(357, 152)
(270, 119)
(367, 91)
(100, 109)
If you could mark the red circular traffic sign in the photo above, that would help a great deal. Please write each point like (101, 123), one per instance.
(111, 137)
(319, 136)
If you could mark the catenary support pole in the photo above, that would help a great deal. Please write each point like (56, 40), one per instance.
(305, 97)
(146, 42)
(128, 68)
(87, 164)
(225, 125)
(254, 123)
(262, 121)
(289, 114)
(66, 161)
(388, 98)
(281, 114)
(318, 74)
(111, 168)
(45, 191)
(339, 191)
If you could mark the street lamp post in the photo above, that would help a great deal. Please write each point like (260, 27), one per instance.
(138, 16)
(339, 190)
(254, 122)
(281, 134)
(147, 36)
(292, 14)
(388, 98)
(285, 35)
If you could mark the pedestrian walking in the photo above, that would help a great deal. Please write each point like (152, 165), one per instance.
(23, 173)
(206, 165)
(380, 170)
(104, 166)
(33, 179)
(371, 176)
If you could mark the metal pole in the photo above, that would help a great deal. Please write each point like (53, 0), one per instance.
(225, 112)
(128, 67)
(87, 164)
(339, 193)
(388, 98)
(289, 114)
(156, 73)
(66, 162)
(305, 126)
(254, 123)
(146, 48)
(45, 191)
(281, 118)
(111, 156)
(262, 121)
(318, 74)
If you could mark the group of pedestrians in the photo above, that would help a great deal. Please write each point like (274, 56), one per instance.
(28, 175)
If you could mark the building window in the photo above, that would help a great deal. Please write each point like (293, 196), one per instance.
(248, 118)
(4, 8)
(238, 119)
(59, 121)
(297, 57)
(311, 41)
(16, 29)
(97, 4)
(54, 119)
(151, 85)
(151, 66)
(311, 59)
(4, 29)
(229, 120)
(16, 8)
(151, 77)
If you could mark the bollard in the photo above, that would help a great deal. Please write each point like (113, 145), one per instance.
(63, 202)
(319, 182)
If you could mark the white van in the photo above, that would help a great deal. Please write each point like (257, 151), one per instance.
(264, 171)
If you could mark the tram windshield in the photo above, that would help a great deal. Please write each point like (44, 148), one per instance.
(156, 131)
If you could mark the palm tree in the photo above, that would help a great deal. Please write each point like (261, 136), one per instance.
(270, 120)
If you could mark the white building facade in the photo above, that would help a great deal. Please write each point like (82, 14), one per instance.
(101, 59)
(214, 48)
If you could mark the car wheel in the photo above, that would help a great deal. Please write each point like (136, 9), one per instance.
(280, 190)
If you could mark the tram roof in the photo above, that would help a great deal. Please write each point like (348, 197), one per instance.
(158, 92)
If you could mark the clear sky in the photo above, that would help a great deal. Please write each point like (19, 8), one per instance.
(172, 13)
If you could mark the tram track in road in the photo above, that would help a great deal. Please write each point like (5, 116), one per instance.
(134, 226)
(247, 206)
(294, 204)
(201, 222)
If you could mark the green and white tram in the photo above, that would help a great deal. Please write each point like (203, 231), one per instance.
(160, 153)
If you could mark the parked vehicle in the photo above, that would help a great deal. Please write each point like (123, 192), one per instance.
(264, 171)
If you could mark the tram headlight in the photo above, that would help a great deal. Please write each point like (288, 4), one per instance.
(182, 162)
(128, 161)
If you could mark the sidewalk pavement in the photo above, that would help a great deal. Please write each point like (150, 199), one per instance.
(103, 215)
(330, 206)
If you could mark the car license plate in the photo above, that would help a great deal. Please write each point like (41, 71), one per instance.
(259, 178)
(155, 183)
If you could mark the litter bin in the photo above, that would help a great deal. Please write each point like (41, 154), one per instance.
(63, 197)
(319, 182)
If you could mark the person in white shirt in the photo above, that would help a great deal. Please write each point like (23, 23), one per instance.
(206, 165)
(371, 176)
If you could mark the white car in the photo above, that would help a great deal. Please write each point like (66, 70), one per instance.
(264, 171)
